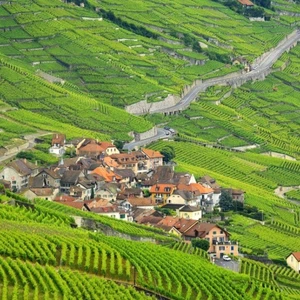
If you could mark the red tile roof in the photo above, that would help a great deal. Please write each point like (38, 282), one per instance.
(141, 201)
(106, 174)
(296, 255)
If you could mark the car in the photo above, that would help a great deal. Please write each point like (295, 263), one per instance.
(226, 257)
(166, 128)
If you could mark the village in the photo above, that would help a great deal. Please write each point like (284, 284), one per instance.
(137, 186)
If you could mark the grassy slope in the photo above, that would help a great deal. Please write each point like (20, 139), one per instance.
(54, 248)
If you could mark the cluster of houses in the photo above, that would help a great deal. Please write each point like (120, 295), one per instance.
(125, 186)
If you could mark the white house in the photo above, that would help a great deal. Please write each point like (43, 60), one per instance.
(18, 173)
(293, 261)
(57, 144)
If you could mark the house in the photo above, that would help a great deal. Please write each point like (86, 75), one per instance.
(293, 261)
(108, 175)
(236, 194)
(48, 178)
(94, 149)
(126, 176)
(161, 192)
(246, 3)
(185, 211)
(146, 203)
(137, 161)
(155, 158)
(70, 178)
(112, 212)
(218, 238)
(57, 144)
(18, 173)
(108, 191)
(189, 212)
(46, 193)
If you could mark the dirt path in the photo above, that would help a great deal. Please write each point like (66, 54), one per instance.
(29, 140)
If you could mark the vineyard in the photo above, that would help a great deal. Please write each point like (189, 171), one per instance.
(42, 257)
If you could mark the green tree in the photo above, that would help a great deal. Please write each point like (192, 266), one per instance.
(226, 202)
(200, 243)
(168, 152)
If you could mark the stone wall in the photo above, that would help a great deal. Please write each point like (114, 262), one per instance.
(143, 107)
(145, 135)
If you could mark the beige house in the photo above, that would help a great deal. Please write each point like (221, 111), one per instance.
(293, 261)
(155, 158)
(18, 173)
(46, 193)
(189, 212)
(218, 238)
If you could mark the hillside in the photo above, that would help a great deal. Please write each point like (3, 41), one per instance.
(57, 262)
(72, 69)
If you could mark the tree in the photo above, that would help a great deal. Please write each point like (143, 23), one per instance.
(168, 152)
(200, 243)
(226, 202)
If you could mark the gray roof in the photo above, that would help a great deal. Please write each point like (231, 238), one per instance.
(189, 208)
(70, 177)
(186, 195)
(172, 206)
(23, 167)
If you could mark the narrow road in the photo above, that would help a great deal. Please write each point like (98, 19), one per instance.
(262, 64)
(161, 134)
(29, 139)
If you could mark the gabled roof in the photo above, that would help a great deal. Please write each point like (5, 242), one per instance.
(150, 220)
(152, 154)
(201, 229)
(296, 255)
(141, 201)
(58, 138)
(22, 166)
(125, 173)
(110, 162)
(42, 192)
(195, 188)
(187, 195)
(108, 175)
(49, 172)
(71, 177)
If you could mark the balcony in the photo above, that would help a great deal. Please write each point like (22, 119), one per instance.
(225, 242)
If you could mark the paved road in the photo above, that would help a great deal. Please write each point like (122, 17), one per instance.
(261, 65)
(232, 265)
(161, 134)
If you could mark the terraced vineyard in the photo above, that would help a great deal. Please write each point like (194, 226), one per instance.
(57, 262)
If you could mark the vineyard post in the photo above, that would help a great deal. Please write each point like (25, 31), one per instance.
(134, 275)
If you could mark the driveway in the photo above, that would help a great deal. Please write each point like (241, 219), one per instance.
(232, 265)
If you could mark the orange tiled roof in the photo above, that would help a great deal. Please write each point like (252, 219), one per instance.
(169, 221)
(65, 198)
(296, 255)
(152, 154)
(106, 174)
(92, 147)
(58, 139)
(161, 188)
(195, 187)
(110, 162)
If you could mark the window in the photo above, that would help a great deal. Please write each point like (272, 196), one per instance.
(221, 231)
(222, 248)
(214, 232)
(232, 248)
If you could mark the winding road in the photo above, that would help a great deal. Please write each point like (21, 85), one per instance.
(261, 66)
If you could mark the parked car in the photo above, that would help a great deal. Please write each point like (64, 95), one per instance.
(226, 257)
